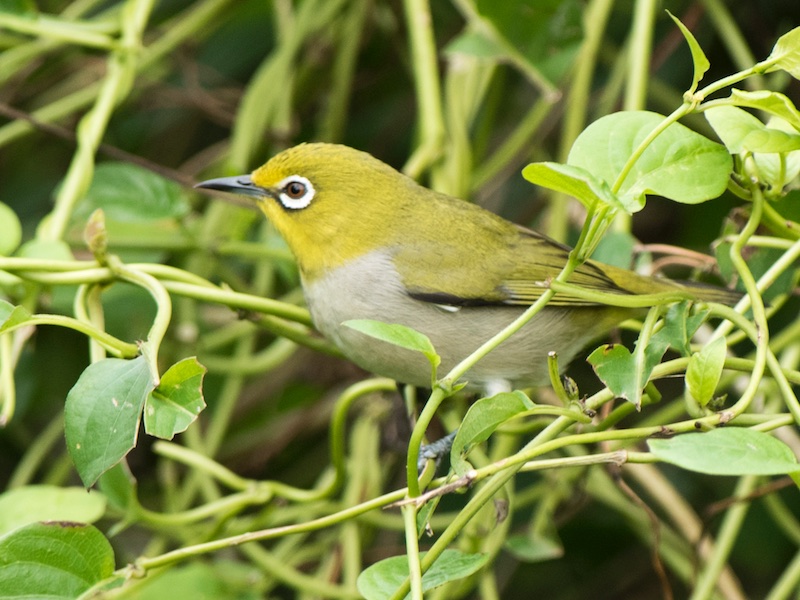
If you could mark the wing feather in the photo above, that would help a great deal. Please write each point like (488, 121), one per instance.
(516, 275)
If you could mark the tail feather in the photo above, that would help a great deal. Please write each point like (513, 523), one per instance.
(711, 293)
(632, 283)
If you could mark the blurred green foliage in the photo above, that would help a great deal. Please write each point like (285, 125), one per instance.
(146, 98)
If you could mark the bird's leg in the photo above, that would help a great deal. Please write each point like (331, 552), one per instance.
(435, 451)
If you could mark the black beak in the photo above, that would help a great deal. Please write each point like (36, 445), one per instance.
(239, 184)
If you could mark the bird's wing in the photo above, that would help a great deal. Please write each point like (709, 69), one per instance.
(542, 259)
(516, 275)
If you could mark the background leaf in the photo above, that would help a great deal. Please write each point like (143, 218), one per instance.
(535, 548)
(25, 505)
(118, 485)
(102, 414)
(25, 8)
(56, 559)
(10, 230)
(129, 193)
(11, 316)
(547, 33)
(381, 580)
(224, 580)
(727, 451)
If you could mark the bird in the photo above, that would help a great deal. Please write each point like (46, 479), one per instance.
(372, 243)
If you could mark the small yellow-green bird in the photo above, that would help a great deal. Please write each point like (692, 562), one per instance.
(371, 243)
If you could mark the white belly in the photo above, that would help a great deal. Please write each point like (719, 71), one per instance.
(370, 288)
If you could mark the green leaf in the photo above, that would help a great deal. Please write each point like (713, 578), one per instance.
(102, 414)
(727, 451)
(129, 193)
(778, 170)
(399, 335)
(742, 132)
(49, 249)
(680, 324)
(578, 183)
(535, 548)
(32, 503)
(699, 59)
(679, 164)
(705, 370)
(56, 559)
(616, 368)
(176, 402)
(788, 206)
(481, 420)
(217, 580)
(474, 43)
(10, 230)
(11, 316)
(774, 103)
(6, 308)
(424, 516)
(616, 249)
(759, 261)
(119, 486)
(381, 580)
(547, 34)
(786, 53)
(625, 373)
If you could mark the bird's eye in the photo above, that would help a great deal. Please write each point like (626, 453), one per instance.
(295, 192)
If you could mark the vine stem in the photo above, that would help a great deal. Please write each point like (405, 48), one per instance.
(112, 344)
(673, 117)
(8, 393)
(639, 52)
(751, 286)
(731, 36)
(121, 66)
(81, 34)
(163, 310)
(412, 552)
(735, 515)
(426, 83)
(596, 15)
(726, 538)
(146, 564)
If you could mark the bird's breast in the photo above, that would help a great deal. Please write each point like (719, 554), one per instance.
(368, 287)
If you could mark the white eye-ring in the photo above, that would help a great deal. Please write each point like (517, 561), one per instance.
(295, 192)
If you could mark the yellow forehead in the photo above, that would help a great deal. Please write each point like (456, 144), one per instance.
(308, 160)
(330, 166)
